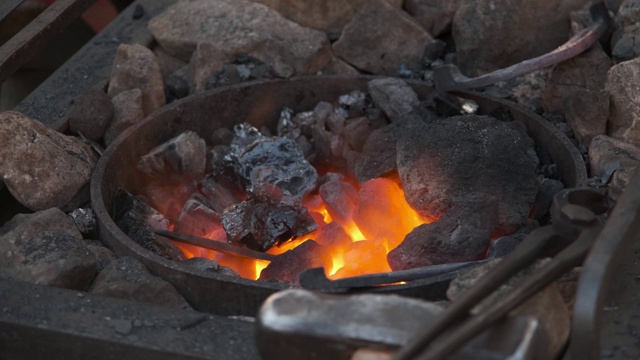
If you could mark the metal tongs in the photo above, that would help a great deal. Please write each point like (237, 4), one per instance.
(578, 217)
(450, 78)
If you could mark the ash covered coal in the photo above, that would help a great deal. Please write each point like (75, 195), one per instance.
(138, 220)
(460, 156)
(180, 159)
(261, 160)
(474, 176)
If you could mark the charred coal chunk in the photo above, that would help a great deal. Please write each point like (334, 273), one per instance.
(466, 155)
(288, 266)
(379, 151)
(263, 160)
(394, 97)
(356, 103)
(137, 219)
(180, 159)
(198, 219)
(463, 234)
(219, 196)
(268, 217)
(340, 197)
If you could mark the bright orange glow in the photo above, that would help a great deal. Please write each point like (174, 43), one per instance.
(358, 244)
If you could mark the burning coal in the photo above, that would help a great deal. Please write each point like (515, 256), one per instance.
(345, 185)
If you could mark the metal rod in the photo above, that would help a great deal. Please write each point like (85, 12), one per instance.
(522, 256)
(38, 34)
(609, 250)
(567, 259)
(8, 6)
(450, 78)
(215, 245)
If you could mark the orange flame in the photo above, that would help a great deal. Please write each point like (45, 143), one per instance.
(379, 220)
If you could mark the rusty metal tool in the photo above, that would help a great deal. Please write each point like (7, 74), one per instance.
(450, 78)
(211, 244)
(577, 215)
(316, 279)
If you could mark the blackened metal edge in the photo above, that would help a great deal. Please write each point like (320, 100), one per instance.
(258, 103)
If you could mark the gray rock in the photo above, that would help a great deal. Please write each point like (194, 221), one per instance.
(42, 168)
(485, 156)
(613, 160)
(625, 41)
(586, 71)
(136, 67)
(324, 15)
(434, 15)
(394, 97)
(381, 38)
(91, 113)
(241, 26)
(46, 248)
(492, 34)
(206, 60)
(587, 113)
(624, 117)
(127, 112)
(127, 278)
(168, 63)
(181, 159)
(103, 256)
(339, 67)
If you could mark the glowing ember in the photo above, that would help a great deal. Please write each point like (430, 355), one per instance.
(357, 228)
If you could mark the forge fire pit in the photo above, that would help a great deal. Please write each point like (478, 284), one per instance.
(260, 104)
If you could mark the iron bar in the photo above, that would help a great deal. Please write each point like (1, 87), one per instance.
(8, 6)
(35, 36)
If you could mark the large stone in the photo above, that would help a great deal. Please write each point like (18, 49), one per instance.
(587, 113)
(127, 278)
(127, 112)
(587, 71)
(613, 159)
(91, 113)
(136, 67)
(433, 15)
(239, 26)
(381, 38)
(46, 248)
(324, 15)
(206, 60)
(623, 84)
(41, 167)
(467, 155)
(492, 34)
